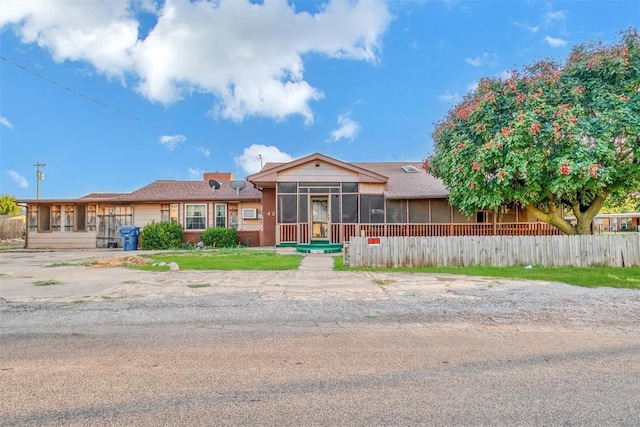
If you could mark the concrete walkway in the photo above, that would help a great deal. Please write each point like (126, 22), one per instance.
(317, 262)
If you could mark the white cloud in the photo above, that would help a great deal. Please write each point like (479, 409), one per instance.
(204, 151)
(172, 141)
(5, 122)
(450, 97)
(531, 28)
(248, 55)
(555, 42)
(554, 16)
(195, 174)
(347, 129)
(484, 59)
(18, 179)
(257, 155)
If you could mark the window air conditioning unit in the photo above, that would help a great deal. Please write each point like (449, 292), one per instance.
(249, 213)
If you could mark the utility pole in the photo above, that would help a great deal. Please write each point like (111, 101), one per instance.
(39, 177)
(260, 159)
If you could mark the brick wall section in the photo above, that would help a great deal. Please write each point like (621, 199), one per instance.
(218, 176)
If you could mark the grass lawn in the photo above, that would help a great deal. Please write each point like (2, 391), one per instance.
(225, 259)
(590, 277)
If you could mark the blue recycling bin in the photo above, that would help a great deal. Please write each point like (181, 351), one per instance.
(129, 236)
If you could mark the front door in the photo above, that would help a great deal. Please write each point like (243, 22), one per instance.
(320, 218)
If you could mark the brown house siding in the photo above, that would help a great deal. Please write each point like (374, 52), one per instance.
(268, 217)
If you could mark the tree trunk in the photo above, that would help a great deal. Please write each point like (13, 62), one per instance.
(552, 218)
(583, 219)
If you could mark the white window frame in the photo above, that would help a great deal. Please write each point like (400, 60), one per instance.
(249, 213)
(224, 210)
(187, 216)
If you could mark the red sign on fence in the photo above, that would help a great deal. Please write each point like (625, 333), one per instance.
(373, 241)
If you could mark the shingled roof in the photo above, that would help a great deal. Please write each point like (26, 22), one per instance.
(400, 184)
(403, 185)
(174, 191)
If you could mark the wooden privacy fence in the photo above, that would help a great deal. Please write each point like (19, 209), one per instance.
(620, 250)
(11, 229)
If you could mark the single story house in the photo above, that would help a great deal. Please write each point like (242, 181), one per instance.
(93, 221)
(316, 198)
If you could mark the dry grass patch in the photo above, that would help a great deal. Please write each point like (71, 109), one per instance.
(125, 261)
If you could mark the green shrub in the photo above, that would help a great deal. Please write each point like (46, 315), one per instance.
(220, 237)
(161, 235)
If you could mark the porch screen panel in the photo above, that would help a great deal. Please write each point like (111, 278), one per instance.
(371, 208)
(440, 211)
(349, 187)
(303, 208)
(418, 211)
(396, 211)
(287, 187)
(459, 217)
(349, 208)
(287, 208)
(335, 208)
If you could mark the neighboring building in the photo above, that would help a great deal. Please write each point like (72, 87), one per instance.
(613, 222)
(94, 220)
(312, 199)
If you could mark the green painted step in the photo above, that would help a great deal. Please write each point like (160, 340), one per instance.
(319, 247)
(287, 245)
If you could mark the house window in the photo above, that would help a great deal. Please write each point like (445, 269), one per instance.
(164, 213)
(196, 217)
(481, 216)
(396, 211)
(81, 218)
(371, 208)
(68, 218)
(44, 218)
(221, 215)
(56, 217)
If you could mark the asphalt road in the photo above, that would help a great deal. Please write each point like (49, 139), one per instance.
(472, 352)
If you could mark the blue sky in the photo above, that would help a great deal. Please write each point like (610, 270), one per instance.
(114, 94)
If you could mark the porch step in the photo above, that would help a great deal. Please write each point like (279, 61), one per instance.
(319, 248)
(287, 245)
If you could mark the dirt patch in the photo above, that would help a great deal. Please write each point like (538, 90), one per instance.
(126, 261)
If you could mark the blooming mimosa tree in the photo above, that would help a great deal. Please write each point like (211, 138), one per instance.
(550, 138)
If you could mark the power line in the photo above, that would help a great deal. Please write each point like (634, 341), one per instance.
(82, 95)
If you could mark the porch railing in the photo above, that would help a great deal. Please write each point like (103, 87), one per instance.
(299, 233)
